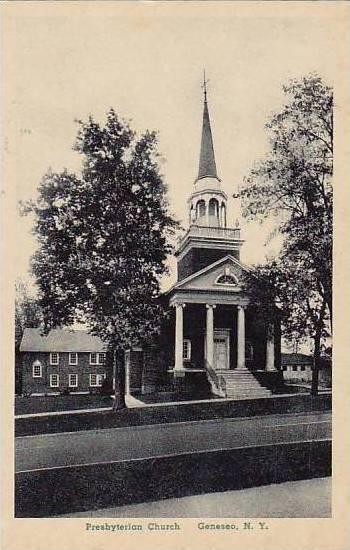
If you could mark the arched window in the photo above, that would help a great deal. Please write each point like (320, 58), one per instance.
(200, 208)
(192, 214)
(213, 208)
(223, 214)
(227, 278)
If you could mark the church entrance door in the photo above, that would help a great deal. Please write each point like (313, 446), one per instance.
(221, 350)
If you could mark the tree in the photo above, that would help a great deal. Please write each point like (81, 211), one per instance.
(27, 315)
(294, 184)
(282, 289)
(104, 237)
(27, 311)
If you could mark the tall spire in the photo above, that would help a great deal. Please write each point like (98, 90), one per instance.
(207, 165)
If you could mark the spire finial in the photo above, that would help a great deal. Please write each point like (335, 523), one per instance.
(204, 86)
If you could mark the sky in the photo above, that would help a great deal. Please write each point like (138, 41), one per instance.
(65, 62)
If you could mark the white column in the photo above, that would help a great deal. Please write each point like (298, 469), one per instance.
(270, 349)
(179, 337)
(209, 336)
(240, 337)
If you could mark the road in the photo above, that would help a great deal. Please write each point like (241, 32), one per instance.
(49, 451)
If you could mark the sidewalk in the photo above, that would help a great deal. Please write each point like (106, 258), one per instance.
(310, 498)
(138, 413)
(132, 403)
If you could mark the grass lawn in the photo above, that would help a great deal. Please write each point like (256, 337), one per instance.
(50, 403)
(167, 413)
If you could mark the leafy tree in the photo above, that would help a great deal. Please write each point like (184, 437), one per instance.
(27, 315)
(27, 311)
(104, 237)
(283, 290)
(294, 184)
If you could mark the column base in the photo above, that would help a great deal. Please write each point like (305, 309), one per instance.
(179, 373)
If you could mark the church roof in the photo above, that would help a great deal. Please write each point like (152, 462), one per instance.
(207, 164)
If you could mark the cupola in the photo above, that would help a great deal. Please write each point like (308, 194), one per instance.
(208, 201)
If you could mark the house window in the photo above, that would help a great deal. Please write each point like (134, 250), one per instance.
(54, 380)
(186, 350)
(96, 380)
(73, 358)
(97, 358)
(37, 369)
(284, 368)
(295, 368)
(73, 380)
(302, 368)
(54, 358)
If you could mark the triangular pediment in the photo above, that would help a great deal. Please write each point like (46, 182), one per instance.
(227, 274)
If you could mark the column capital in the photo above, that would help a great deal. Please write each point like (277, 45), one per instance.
(241, 307)
(208, 306)
(178, 304)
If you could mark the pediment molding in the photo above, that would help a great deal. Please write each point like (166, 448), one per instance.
(208, 278)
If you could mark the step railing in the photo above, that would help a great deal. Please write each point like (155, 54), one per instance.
(217, 382)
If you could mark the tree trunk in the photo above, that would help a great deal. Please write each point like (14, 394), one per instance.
(317, 350)
(119, 381)
(330, 308)
(316, 365)
(317, 357)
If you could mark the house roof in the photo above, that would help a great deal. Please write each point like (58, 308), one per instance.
(60, 340)
(295, 359)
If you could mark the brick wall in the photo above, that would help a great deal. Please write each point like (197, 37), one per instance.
(136, 369)
(32, 385)
(198, 258)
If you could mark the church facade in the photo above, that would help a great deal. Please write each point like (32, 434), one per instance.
(211, 333)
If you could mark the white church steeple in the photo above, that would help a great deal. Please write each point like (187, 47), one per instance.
(208, 202)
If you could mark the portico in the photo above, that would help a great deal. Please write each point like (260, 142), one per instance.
(218, 339)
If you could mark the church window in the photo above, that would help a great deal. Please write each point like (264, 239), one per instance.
(200, 208)
(213, 207)
(223, 215)
(227, 278)
(187, 350)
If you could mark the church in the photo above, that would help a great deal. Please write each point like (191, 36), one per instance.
(211, 335)
(212, 344)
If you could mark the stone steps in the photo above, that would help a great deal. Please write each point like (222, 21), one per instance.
(241, 383)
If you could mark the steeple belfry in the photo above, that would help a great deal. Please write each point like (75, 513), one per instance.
(208, 201)
(208, 237)
(207, 164)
